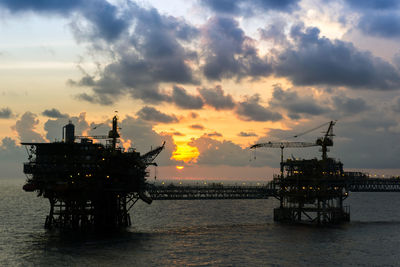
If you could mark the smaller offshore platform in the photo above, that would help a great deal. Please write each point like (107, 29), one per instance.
(89, 185)
(311, 190)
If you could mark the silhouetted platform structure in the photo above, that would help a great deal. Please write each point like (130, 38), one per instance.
(93, 185)
(89, 185)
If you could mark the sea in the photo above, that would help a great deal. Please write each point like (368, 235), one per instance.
(202, 233)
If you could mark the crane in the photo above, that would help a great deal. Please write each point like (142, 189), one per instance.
(149, 157)
(324, 142)
(283, 145)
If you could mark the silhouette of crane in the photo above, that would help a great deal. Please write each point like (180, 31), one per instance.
(324, 142)
(283, 145)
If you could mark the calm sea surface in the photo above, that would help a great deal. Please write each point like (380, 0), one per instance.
(202, 233)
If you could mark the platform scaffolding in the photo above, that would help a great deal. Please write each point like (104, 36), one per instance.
(311, 191)
(110, 210)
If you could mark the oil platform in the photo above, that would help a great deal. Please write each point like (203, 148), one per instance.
(311, 190)
(89, 185)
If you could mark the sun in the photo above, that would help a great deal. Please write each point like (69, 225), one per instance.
(185, 152)
(180, 167)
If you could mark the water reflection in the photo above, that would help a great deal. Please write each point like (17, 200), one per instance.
(203, 233)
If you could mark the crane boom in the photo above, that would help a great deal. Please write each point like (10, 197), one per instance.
(283, 144)
(149, 157)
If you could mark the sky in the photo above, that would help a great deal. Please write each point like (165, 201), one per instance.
(208, 77)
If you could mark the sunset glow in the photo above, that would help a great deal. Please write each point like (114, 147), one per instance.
(185, 152)
(208, 78)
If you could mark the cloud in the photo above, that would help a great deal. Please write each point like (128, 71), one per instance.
(54, 127)
(145, 48)
(54, 113)
(184, 100)
(396, 106)
(154, 51)
(230, 53)
(214, 134)
(151, 114)
(247, 134)
(249, 7)
(6, 113)
(193, 115)
(95, 98)
(368, 140)
(84, 81)
(213, 152)
(26, 128)
(373, 4)
(349, 106)
(216, 98)
(178, 134)
(378, 18)
(251, 110)
(296, 105)
(63, 7)
(106, 21)
(385, 25)
(197, 127)
(11, 158)
(316, 60)
(275, 32)
(144, 138)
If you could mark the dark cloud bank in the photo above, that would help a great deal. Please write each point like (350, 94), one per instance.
(249, 7)
(316, 60)
(377, 17)
(150, 49)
